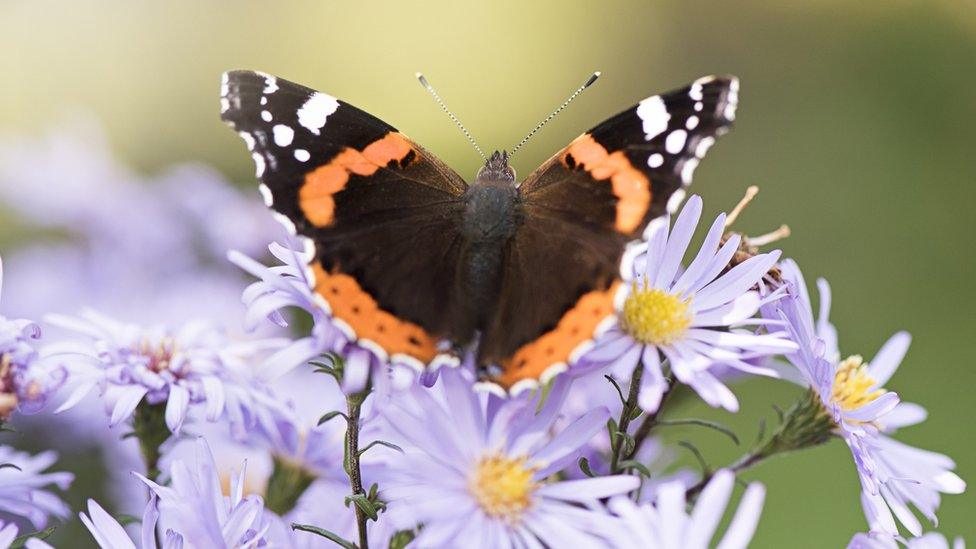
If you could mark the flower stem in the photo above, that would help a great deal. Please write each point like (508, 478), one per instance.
(649, 421)
(354, 404)
(149, 427)
(805, 425)
(288, 482)
(626, 415)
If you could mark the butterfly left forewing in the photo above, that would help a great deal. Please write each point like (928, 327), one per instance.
(381, 213)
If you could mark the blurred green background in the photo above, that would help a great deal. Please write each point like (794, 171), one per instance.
(855, 119)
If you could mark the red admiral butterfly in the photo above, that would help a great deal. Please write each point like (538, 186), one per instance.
(410, 256)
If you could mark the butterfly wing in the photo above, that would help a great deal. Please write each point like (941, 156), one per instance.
(580, 210)
(383, 213)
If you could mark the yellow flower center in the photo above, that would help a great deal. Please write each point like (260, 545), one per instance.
(160, 355)
(503, 487)
(853, 383)
(655, 317)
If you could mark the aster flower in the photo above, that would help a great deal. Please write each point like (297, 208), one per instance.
(290, 284)
(188, 214)
(476, 469)
(194, 366)
(666, 524)
(26, 382)
(23, 486)
(851, 394)
(192, 511)
(876, 540)
(694, 317)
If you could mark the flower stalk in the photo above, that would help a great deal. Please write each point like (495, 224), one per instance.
(149, 428)
(288, 482)
(805, 425)
(354, 403)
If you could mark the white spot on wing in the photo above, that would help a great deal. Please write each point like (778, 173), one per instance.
(699, 106)
(264, 100)
(688, 170)
(224, 104)
(656, 160)
(675, 201)
(283, 135)
(692, 122)
(224, 84)
(285, 222)
(302, 155)
(248, 140)
(675, 141)
(703, 146)
(654, 115)
(266, 116)
(258, 164)
(316, 110)
(270, 84)
(266, 195)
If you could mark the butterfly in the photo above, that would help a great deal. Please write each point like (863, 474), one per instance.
(419, 266)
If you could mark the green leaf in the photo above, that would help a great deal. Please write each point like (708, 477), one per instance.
(401, 539)
(364, 504)
(620, 392)
(584, 465)
(380, 443)
(21, 541)
(703, 423)
(697, 453)
(331, 536)
(331, 415)
(637, 466)
(126, 520)
(636, 413)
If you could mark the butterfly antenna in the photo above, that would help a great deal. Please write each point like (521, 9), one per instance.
(589, 82)
(426, 84)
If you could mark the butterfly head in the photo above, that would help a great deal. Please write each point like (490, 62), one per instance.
(496, 169)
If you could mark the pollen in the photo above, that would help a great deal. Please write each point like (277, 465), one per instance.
(160, 355)
(655, 317)
(852, 384)
(503, 487)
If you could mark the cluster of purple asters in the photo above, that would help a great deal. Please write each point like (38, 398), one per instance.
(300, 435)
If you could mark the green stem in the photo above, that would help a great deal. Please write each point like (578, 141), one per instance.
(626, 414)
(288, 482)
(649, 421)
(354, 405)
(805, 425)
(149, 426)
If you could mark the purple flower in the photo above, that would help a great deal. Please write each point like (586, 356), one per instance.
(25, 381)
(666, 524)
(477, 470)
(694, 317)
(893, 475)
(194, 366)
(192, 511)
(23, 483)
(878, 540)
(68, 182)
(291, 285)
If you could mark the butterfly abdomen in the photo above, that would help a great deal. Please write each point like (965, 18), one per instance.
(492, 215)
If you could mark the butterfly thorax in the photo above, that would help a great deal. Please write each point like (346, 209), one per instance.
(492, 215)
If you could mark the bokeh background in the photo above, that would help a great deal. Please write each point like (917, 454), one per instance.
(855, 119)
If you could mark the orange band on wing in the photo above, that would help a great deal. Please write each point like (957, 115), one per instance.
(630, 186)
(576, 326)
(316, 196)
(351, 304)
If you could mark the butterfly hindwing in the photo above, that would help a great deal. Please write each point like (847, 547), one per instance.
(382, 212)
(580, 210)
